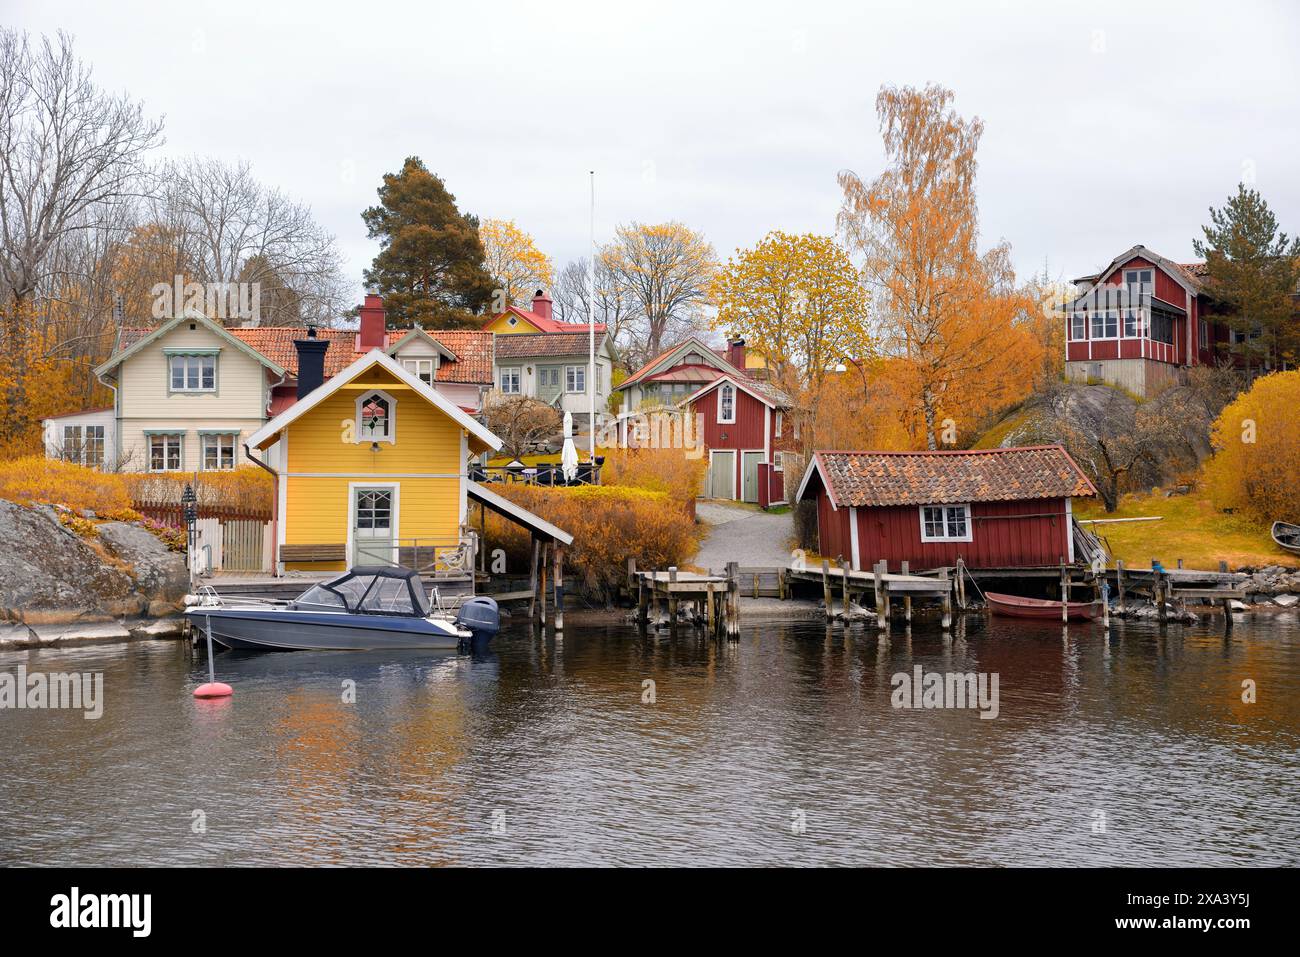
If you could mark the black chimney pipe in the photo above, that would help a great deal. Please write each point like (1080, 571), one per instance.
(311, 361)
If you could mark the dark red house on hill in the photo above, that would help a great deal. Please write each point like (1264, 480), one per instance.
(996, 508)
(1140, 322)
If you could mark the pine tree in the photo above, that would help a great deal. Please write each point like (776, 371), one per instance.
(1252, 272)
(430, 270)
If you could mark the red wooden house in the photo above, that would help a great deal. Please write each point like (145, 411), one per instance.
(995, 508)
(1139, 322)
(744, 427)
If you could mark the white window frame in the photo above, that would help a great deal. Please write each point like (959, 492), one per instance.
(360, 436)
(415, 367)
(779, 418)
(517, 372)
(233, 437)
(730, 390)
(168, 437)
(81, 444)
(1081, 334)
(187, 358)
(946, 509)
(571, 376)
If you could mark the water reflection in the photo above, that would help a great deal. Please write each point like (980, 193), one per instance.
(542, 750)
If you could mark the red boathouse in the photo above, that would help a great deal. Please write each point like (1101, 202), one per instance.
(995, 508)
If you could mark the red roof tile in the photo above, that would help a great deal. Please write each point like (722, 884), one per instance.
(547, 325)
(472, 349)
(537, 344)
(922, 478)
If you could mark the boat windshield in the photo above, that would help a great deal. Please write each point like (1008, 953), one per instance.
(369, 591)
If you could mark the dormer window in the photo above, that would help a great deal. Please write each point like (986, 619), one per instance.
(726, 404)
(375, 417)
(422, 369)
(192, 372)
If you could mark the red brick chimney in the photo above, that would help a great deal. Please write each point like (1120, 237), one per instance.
(542, 304)
(736, 353)
(373, 332)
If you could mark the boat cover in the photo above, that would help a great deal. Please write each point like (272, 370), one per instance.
(369, 590)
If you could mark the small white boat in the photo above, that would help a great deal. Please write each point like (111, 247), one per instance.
(1287, 536)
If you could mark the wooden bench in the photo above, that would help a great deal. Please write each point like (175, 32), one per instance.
(313, 553)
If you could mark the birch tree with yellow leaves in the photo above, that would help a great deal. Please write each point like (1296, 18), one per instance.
(800, 301)
(512, 258)
(945, 312)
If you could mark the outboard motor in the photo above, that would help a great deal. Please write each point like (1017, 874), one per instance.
(481, 616)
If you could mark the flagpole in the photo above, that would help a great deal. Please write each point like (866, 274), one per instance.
(591, 333)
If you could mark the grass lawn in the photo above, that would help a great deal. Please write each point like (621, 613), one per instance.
(1191, 528)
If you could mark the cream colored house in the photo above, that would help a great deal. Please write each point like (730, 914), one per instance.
(188, 393)
(186, 396)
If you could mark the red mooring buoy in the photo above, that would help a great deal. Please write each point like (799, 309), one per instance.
(214, 688)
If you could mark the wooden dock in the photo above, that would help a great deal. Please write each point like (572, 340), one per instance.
(711, 600)
(883, 586)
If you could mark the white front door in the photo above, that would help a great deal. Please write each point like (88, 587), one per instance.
(373, 526)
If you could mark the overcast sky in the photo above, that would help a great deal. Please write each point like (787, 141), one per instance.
(1106, 124)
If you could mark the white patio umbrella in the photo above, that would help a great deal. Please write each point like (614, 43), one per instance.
(569, 454)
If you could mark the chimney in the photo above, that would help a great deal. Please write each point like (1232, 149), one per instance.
(373, 332)
(736, 353)
(311, 360)
(542, 304)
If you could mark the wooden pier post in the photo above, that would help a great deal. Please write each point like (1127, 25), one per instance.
(905, 568)
(532, 581)
(642, 601)
(672, 599)
(1227, 616)
(1119, 584)
(733, 601)
(879, 585)
(546, 554)
(559, 587)
(961, 583)
(710, 613)
(844, 572)
(826, 589)
(1158, 591)
(947, 599)
(1065, 594)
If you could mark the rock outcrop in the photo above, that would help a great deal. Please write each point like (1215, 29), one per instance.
(49, 574)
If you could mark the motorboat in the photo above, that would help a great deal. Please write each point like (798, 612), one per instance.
(1014, 606)
(368, 608)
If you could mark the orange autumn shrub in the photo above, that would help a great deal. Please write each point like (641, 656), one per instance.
(248, 487)
(670, 471)
(609, 524)
(35, 479)
(1257, 451)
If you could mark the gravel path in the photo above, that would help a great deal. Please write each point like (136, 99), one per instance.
(747, 535)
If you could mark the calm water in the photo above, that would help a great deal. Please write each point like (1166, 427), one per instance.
(552, 740)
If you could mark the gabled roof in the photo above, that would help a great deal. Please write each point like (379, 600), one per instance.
(665, 358)
(470, 350)
(1188, 275)
(769, 395)
(542, 324)
(145, 336)
(535, 345)
(271, 430)
(865, 479)
(402, 339)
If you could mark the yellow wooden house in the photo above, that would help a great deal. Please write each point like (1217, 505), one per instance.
(371, 468)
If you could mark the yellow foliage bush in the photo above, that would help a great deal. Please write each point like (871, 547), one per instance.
(669, 471)
(36, 479)
(609, 524)
(1256, 465)
(247, 487)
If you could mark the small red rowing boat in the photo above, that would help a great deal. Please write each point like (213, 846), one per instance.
(1016, 607)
